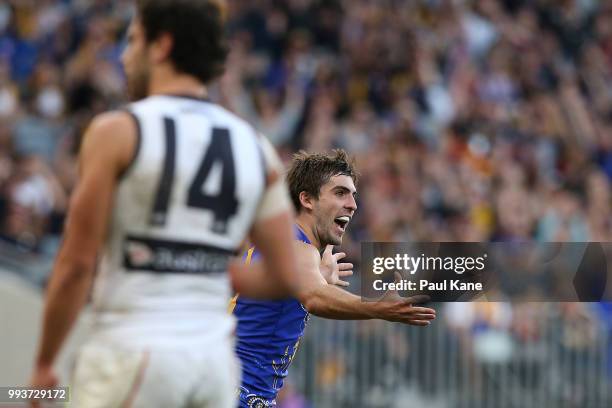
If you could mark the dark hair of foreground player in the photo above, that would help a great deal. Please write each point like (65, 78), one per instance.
(197, 30)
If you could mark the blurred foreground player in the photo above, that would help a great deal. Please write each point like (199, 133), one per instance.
(322, 189)
(168, 191)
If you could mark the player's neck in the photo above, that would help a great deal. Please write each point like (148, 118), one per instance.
(171, 83)
(305, 224)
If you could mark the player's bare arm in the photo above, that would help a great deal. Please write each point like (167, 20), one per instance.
(275, 276)
(330, 301)
(107, 149)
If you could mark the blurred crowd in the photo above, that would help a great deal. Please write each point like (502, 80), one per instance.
(470, 120)
(59, 66)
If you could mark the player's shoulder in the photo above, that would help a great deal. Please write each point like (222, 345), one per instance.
(112, 134)
(306, 249)
(116, 120)
(302, 248)
(112, 128)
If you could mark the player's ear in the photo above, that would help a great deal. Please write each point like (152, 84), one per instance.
(161, 47)
(306, 200)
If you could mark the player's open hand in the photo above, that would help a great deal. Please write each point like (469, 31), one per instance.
(394, 308)
(332, 270)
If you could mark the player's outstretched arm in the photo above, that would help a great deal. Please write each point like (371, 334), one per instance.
(107, 148)
(275, 275)
(332, 302)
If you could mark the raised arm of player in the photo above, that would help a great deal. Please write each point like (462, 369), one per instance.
(276, 275)
(330, 301)
(107, 149)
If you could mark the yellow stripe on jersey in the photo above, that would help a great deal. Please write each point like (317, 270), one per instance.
(249, 255)
(232, 303)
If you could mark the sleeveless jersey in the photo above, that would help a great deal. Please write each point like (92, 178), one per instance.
(181, 210)
(267, 338)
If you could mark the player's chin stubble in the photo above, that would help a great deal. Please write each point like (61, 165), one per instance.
(332, 238)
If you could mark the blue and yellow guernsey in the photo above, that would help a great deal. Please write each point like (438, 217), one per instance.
(267, 338)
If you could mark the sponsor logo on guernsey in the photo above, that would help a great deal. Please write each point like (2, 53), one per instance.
(160, 256)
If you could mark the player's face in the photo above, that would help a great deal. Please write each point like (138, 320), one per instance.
(135, 62)
(334, 209)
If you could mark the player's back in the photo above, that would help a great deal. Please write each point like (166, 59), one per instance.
(181, 210)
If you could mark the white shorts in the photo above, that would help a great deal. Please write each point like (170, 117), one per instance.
(107, 376)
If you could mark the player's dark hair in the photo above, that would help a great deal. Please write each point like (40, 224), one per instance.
(197, 30)
(310, 171)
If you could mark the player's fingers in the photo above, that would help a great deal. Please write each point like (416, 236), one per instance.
(328, 249)
(344, 274)
(339, 255)
(418, 322)
(342, 283)
(423, 317)
(345, 266)
(422, 310)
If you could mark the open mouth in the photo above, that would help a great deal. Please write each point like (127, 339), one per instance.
(342, 222)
